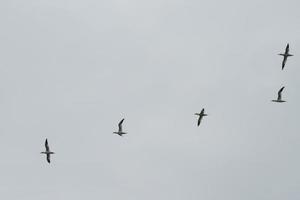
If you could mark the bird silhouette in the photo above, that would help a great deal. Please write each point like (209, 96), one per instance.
(201, 115)
(47, 152)
(120, 131)
(279, 96)
(285, 55)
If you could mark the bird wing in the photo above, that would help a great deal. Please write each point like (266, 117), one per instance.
(202, 111)
(47, 146)
(287, 49)
(279, 93)
(199, 119)
(283, 62)
(120, 125)
(48, 158)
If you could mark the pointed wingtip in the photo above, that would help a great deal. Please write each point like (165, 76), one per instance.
(281, 89)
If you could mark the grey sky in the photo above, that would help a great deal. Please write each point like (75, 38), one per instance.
(70, 70)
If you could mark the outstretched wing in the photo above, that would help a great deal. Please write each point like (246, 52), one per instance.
(47, 146)
(120, 125)
(287, 49)
(202, 111)
(48, 158)
(199, 119)
(283, 62)
(279, 93)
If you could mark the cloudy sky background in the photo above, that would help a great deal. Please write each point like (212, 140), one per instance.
(70, 70)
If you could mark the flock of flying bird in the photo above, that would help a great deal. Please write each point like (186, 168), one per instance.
(285, 55)
(202, 114)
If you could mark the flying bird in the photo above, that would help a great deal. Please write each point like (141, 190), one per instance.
(201, 115)
(47, 152)
(285, 55)
(279, 100)
(120, 131)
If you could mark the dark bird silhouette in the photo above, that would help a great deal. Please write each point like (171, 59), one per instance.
(47, 152)
(279, 99)
(120, 131)
(285, 55)
(201, 115)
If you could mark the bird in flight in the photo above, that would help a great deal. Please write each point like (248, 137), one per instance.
(279, 100)
(285, 55)
(47, 152)
(201, 115)
(120, 131)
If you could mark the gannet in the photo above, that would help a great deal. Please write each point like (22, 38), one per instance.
(279, 100)
(285, 55)
(47, 152)
(120, 131)
(201, 115)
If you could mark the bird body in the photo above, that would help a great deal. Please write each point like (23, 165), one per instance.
(285, 55)
(201, 115)
(120, 131)
(47, 152)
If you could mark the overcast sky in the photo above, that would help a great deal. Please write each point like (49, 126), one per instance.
(70, 70)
